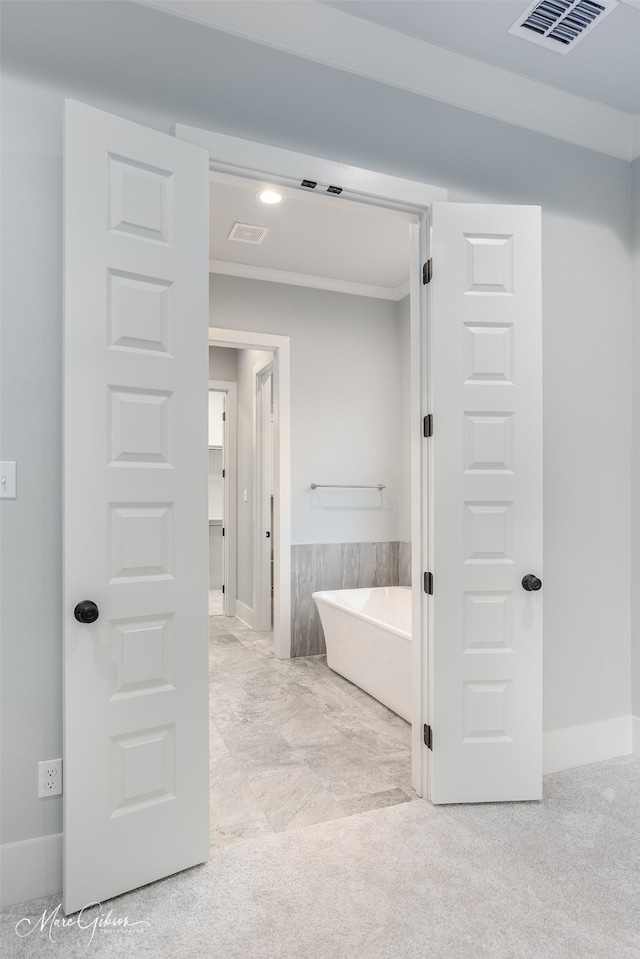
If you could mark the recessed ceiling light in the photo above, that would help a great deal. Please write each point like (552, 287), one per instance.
(269, 196)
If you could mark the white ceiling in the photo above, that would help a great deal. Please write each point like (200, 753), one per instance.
(312, 236)
(604, 66)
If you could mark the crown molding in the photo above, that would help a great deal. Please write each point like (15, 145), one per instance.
(248, 272)
(337, 39)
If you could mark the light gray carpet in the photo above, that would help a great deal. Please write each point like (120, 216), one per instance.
(553, 880)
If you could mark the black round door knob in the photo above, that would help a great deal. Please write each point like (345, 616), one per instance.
(86, 611)
(531, 583)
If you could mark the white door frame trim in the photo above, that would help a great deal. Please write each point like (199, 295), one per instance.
(230, 460)
(280, 347)
(255, 161)
(261, 567)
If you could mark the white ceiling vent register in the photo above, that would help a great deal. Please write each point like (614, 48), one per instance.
(560, 24)
(245, 233)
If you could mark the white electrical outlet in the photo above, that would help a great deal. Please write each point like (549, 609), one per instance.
(50, 778)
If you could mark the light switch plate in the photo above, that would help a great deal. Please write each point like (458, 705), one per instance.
(7, 480)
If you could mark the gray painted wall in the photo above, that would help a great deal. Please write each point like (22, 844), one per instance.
(345, 385)
(171, 70)
(635, 441)
(223, 363)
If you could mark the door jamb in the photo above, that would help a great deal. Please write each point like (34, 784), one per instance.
(230, 508)
(279, 346)
(261, 593)
(421, 503)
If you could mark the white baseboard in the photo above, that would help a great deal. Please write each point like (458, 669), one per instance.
(635, 726)
(245, 614)
(582, 745)
(30, 869)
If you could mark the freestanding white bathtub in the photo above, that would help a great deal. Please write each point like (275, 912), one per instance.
(368, 637)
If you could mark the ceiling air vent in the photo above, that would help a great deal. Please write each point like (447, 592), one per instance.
(245, 233)
(560, 24)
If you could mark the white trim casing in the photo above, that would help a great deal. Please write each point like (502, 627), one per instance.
(346, 42)
(635, 734)
(280, 347)
(30, 869)
(582, 745)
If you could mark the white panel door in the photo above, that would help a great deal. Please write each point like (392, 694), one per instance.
(486, 388)
(136, 377)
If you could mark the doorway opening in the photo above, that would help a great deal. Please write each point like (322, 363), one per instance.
(242, 486)
(254, 370)
(242, 459)
(323, 506)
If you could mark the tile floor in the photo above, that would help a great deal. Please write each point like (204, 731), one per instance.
(293, 743)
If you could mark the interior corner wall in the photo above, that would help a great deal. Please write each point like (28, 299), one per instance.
(300, 105)
(635, 441)
(223, 363)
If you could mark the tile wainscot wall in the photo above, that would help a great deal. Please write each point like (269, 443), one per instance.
(404, 564)
(337, 566)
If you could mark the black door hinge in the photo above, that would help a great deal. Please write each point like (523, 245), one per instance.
(223, 587)
(224, 416)
(223, 530)
(427, 271)
(428, 737)
(224, 473)
(427, 425)
(428, 583)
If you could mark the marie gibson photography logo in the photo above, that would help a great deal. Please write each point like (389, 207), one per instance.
(88, 921)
